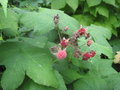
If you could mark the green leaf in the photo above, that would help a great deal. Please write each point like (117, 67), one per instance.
(84, 19)
(73, 4)
(61, 82)
(28, 84)
(52, 37)
(82, 44)
(112, 81)
(93, 2)
(103, 67)
(20, 59)
(115, 45)
(113, 21)
(58, 4)
(90, 82)
(69, 74)
(9, 24)
(30, 3)
(100, 49)
(102, 11)
(42, 22)
(100, 35)
(107, 25)
(4, 5)
(39, 41)
(1, 38)
(111, 2)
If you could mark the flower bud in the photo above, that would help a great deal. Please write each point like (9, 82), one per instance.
(82, 31)
(92, 53)
(89, 42)
(86, 56)
(56, 19)
(64, 42)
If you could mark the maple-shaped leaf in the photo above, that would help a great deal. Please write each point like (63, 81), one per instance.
(117, 58)
(103, 67)
(29, 84)
(90, 81)
(69, 74)
(100, 49)
(9, 24)
(20, 59)
(100, 34)
(42, 21)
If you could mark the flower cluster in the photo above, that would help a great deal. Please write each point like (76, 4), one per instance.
(60, 50)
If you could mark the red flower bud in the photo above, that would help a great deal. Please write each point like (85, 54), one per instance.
(92, 53)
(64, 42)
(89, 42)
(82, 31)
(86, 56)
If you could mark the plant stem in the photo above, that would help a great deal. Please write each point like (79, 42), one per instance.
(57, 28)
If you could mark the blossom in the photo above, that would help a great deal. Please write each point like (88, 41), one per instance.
(61, 54)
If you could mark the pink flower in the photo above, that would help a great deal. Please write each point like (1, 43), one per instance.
(64, 42)
(61, 54)
(89, 42)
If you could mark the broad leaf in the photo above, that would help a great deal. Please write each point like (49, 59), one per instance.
(73, 4)
(91, 82)
(102, 11)
(39, 41)
(102, 67)
(9, 24)
(42, 21)
(4, 5)
(100, 49)
(69, 74)
(93, 2)
(84, 19)
(31, 85)
(32, 3)
(115, 45)
(58, 4)
(100, 34)
(111, 2)
(112, 81)
(107, 25)
(21, 59)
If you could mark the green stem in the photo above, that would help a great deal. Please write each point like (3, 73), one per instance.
(57, 28)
